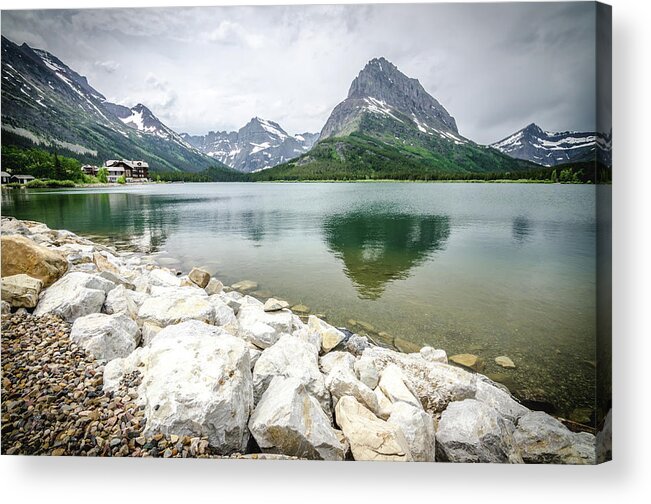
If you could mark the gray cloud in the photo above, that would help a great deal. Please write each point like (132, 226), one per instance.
(495, 67)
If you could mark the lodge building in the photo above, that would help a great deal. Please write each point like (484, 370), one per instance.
(132, 171)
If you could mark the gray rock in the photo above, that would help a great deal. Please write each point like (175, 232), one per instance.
(356, 344)
(604, 440)
(106, 337)
(288, 420)
(331, 360)
(21, 291)
(503, 402)
(149, 332)
(542, 439)
(472, 431)
(224, 314)
(6, 308)
(341, 381)
(116, 279)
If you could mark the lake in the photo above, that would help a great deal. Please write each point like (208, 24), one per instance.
(488, 269)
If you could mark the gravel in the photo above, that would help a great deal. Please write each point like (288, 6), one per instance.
(53, 401)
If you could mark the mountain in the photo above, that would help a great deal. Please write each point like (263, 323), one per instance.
(258, 145)
(390, 127)
(381, 89)
(550, 148)
(45, 102)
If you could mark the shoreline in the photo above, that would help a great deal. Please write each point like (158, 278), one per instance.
(135, 312)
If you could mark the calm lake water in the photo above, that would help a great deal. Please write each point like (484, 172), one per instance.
(489, 269)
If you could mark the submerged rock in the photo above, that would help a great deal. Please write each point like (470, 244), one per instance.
(245, 286)
(288, 420)
(504, 362)
(469, 361)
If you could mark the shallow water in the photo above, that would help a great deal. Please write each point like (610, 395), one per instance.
(489, 269)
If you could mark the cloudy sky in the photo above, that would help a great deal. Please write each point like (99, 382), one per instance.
(495, 67)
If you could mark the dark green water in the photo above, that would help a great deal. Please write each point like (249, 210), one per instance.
(490, 269)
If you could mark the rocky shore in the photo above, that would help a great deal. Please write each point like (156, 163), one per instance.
(106, 353)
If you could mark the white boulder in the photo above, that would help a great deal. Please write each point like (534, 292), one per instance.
(175, 308)
(289, 420)
(263, 328)
(106, 337)
(73, 296)
(123, 300)
(435, 384)
(392, 383)
(291, 358)
(199, 386)
(418, 428)
(367, 372)
(370, 438)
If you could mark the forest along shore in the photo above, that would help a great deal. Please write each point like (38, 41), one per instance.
(107, 353)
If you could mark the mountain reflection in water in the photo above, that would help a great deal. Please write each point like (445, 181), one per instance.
(378, 249)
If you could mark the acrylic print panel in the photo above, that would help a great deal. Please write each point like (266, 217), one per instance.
(376, 232)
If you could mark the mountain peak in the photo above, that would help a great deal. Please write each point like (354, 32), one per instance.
(533, 128)
(381, 89)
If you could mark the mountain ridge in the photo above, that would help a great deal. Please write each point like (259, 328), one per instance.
(260, 144)
(552, 148)
(45, 102)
